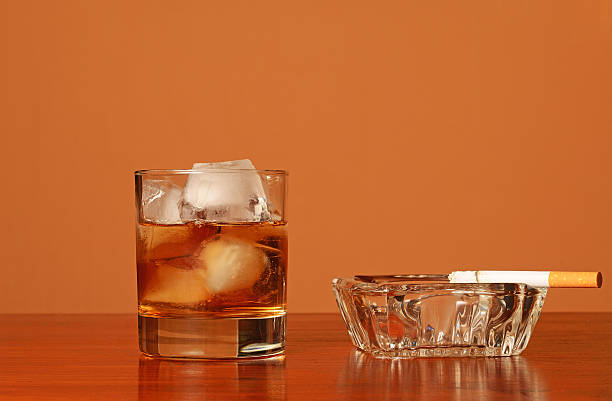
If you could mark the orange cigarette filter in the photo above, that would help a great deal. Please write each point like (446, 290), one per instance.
(575, 279)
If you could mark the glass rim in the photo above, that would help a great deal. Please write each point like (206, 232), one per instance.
(168, 172)
(424, 282)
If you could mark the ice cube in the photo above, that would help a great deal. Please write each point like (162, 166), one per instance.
(176, 285)
(231, 264)
(165, 242)
(225, 197)
(161, 202)
(271, 235)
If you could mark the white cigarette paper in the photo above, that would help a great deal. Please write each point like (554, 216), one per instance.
(532, 278)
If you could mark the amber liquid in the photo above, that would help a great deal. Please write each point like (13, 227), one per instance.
(212, 270)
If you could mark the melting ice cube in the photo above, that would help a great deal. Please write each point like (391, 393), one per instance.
(225, 197)
(166, 242)
(161, 202)
(232, 264)
(176, 285)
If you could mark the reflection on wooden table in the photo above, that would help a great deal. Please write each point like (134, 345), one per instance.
(462, 378)
(95, 357)
(196, 380)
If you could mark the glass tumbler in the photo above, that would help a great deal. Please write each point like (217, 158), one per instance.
(211, 254)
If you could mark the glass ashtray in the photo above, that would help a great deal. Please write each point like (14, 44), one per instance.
(427, 316)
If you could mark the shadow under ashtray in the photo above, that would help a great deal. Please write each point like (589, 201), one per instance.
(464, 378)
(192, 379)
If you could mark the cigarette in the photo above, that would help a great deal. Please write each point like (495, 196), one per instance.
(532, 278)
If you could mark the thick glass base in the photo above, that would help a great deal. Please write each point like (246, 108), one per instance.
(441, 352)
(198, 338)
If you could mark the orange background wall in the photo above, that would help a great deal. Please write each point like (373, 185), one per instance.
(419, 136)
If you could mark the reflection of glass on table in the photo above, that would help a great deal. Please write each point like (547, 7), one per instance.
(253, 379)
(466, 378)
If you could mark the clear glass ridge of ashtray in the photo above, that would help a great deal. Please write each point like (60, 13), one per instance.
(426, 316)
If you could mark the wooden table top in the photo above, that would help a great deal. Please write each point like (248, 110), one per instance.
(95, 357)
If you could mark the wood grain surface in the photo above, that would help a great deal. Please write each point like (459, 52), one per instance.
(95, 357)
